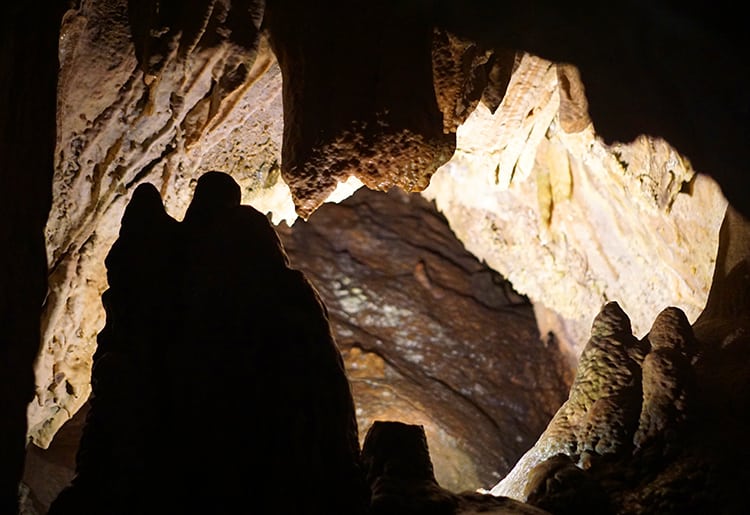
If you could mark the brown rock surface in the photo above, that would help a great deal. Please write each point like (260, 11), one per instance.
(120, 124)
(601, 413)
(359, 98)
(168, 107)
(201, 100)
(430, 335)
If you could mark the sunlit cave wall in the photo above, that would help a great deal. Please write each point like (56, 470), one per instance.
(531, 191)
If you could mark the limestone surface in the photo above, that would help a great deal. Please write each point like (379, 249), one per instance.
(572, 221)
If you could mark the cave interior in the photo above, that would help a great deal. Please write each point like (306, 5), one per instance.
(343, 258)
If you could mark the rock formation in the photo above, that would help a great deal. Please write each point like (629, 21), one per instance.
(430, 335)
(163, 97)
(397, 465)
(646, 103)
(238, 387)
(674, 414)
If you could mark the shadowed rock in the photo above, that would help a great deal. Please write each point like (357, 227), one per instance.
(217, 382)
(608, 376)
(669, 380)
(559, 486)
(398, 468)
(688, 444)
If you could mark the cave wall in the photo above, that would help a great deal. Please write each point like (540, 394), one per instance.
(119, 125)
(430, 335)
(587, 217)
(123, 121)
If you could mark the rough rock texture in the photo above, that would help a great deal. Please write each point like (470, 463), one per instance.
(669, 381)
(464, 73)
(358, 96)
(143, 101)
(397, 465)
(601, 413)
(216, 379)
(209, 101)
(668, 70)
(430, 335)
(385, 382)
(679, 447)
(684, 454)
(571, 221)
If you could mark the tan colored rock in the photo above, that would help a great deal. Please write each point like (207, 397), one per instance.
(573, 222)
(117, 129)
(601, 412)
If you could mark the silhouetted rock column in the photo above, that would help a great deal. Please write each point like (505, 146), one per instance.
(399, 471)
(217, 383)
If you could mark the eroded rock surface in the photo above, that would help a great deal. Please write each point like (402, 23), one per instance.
(150, 97)
(165, 96)
(570, 220)
(602, 410)
(216, 381)
(675, 413)
(430, 335)
(361, 54)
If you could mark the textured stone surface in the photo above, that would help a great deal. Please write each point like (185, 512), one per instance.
(463, 73)
(664, 69)
(359, 98)
(168, 96)
(601, 413)
(216, 372)
(388, 379)
(119, 125)
(684, 447)
(571, 221)
(431, 336)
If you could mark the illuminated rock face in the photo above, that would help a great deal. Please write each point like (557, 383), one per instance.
(654, 425)
(206, 102)
(531, 189)
(571, 221)
(176, 94)
(430, 335)
(216, 372)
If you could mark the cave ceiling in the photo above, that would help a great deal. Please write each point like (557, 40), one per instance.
(532, 188)
(585, 157)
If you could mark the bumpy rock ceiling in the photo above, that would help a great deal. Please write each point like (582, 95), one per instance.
(577, 183)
